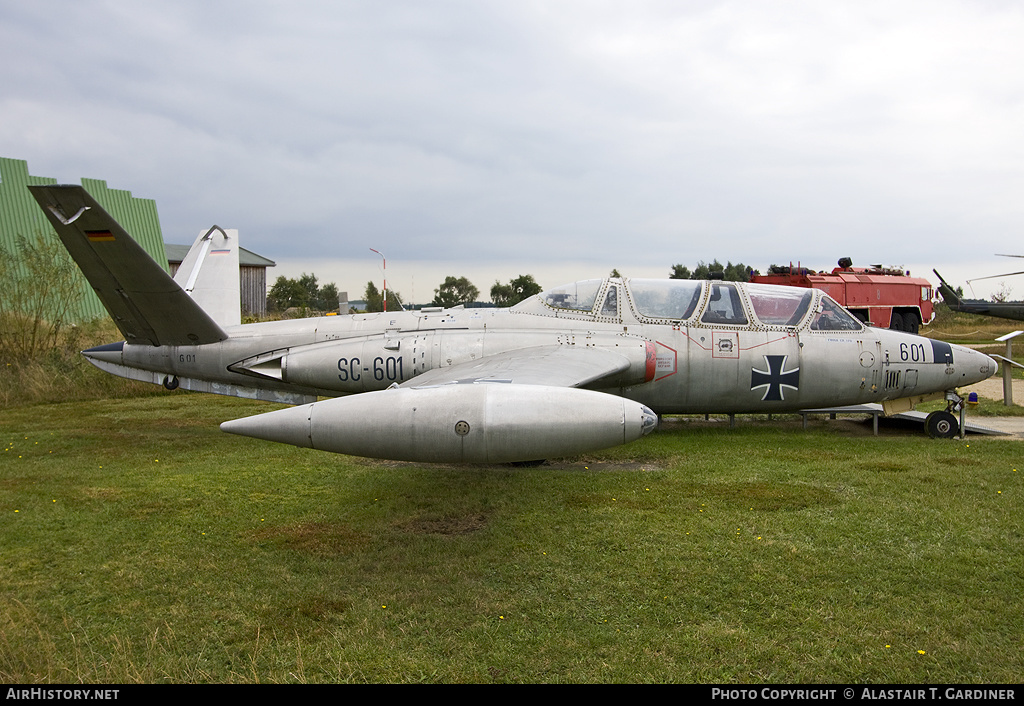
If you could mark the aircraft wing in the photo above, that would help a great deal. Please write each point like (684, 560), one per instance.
(145, 303)
(553, 366)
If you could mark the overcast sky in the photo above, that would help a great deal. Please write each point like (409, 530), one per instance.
(560, 138)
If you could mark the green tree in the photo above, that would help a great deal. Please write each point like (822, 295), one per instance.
(454, 291)
(304, 292)
(375, 302)
(518, 289)
(310, 289)
(286, 293)
(327, 298)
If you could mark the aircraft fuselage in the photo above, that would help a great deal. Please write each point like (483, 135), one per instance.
(685, 366)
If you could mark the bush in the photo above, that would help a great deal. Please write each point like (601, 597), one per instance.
(59, 373)
(40, 289)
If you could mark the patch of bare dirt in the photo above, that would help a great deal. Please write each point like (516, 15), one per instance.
(318, 538)
(446, 525)
(993, 389)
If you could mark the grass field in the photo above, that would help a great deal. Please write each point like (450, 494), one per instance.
(141, 544)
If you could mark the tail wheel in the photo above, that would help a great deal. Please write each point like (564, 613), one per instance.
(941, 425)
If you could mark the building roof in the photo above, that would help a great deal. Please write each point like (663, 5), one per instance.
(246, 258)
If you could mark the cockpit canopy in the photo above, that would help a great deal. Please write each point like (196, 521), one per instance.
(710, 303)
(577, 296)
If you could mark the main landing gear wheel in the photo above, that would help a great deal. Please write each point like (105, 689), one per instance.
(941, 425)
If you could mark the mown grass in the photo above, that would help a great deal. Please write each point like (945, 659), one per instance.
(957, 326)
(143, 545)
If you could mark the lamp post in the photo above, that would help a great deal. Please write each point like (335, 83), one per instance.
(384, 268)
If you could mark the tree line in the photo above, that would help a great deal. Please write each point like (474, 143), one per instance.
(706, 270)
(305, 292)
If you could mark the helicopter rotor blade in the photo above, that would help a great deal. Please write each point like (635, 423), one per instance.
(1008, 274)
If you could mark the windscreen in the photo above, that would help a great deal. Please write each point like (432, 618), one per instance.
(832, 317)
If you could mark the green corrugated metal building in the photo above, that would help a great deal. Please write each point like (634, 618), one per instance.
(21, 215)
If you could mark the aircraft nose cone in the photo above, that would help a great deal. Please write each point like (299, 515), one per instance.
(977, 367)
(990, 364)
(649, 420)
(286, 426)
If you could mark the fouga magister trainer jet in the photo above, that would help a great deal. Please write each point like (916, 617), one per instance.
(580, 367)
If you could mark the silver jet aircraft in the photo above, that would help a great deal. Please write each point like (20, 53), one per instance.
(576, 368)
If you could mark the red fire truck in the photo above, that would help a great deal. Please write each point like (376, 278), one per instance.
(880, 296)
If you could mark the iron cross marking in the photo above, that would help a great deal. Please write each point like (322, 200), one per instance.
(775, 378)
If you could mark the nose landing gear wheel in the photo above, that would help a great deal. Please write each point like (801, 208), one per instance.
(941, 425)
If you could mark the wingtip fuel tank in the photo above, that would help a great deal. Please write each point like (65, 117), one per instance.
(474, 423)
